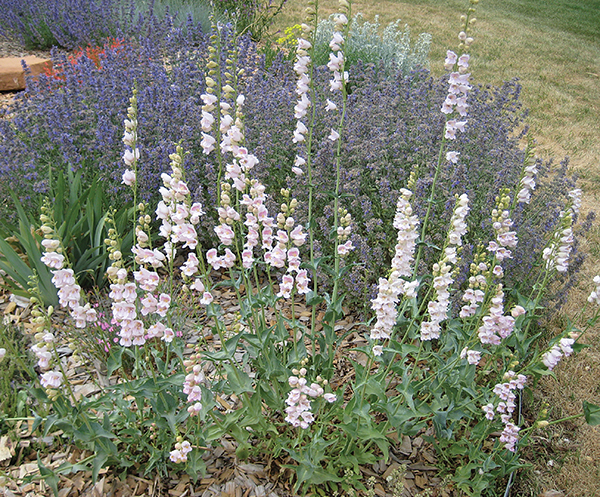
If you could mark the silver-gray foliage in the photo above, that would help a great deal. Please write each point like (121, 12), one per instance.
(368, 43)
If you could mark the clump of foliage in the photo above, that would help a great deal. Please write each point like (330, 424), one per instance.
(73, 24)
(273, 222)
(15, 376)
(367, 43)
(79, 215)
(74, 121)
(253, 17)
(66, 23)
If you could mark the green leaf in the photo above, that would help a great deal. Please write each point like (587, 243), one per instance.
(578, 347)
(114, 360)
(196, 467)
(313, 298)
(315, 475)
(591, 413)
(49, 476)
(239, 381)
(99, 461)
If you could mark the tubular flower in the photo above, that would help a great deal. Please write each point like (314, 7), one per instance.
(442, 272)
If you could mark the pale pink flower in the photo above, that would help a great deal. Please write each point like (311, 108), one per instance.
(552, 357)
(185, 233)
(50, 244)
(286, 286)
(196, 212)
(177, 456)
(53, 260)
(128, 177)
(302, 281)
(168, 335)
(207, 298)
(297, 236)
(489, 411)
(517, 311)
(345, 248)
(473, 356)
(225, 233)
(276, 257)
(207, 143)
(51, 379)
(336, 62)
(452, 157)
(163, 305)
(330, 105)
(336, 41)
(595, 295)
(129, 138)
(207, 121)
(300, 131)
(247, 258)
(450, 60)
(190, 267)
(162, 211)
(148, 280)
(228, 259)
(129, 157)
(157, 330)
(78, 313)
(209, 99)
(509, 436)
(195, 409)
(129, 292)
(463, 61)
(69, 295)
(198, 285)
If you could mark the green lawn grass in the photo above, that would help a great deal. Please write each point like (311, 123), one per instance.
(553, 47)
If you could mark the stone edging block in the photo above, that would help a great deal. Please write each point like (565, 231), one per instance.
(12, 75)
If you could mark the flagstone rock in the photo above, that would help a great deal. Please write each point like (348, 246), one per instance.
(12, 74)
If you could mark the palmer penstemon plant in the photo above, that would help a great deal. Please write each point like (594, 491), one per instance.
(437, 353)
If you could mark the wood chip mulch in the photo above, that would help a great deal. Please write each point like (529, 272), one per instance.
(410, 471)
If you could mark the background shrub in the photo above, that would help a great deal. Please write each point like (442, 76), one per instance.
(367, 43)
(253, 17)
(78, 23)
(66, 23)
(400, 129)
(76, 122)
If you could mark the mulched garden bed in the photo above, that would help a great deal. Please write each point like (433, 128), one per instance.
(410, 471)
